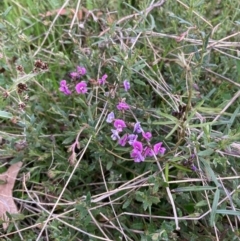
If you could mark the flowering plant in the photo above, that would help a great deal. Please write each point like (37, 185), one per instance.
(141, 149)
(137, 138)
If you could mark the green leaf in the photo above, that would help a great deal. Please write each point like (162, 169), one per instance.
(209, 171)
(5, 114)
(127, 203)
(172, 131)
(89, 4)
(153, 25)
(207, 152)
(238, 68)
(88, 199)
(69, 140)
(2, 27)
(163, 122)
(6, 12)
(167, 171)
(193, 188)
(109, 165)
(82, 209)
(139, 67)
(146, 205)
(154, 200)
(206, 40)
(197, 55)
(139, 196)
(228, 212)
(80, 101)
(138, 226)
(167, 116)
(139, 82)
(180, 19)
(214, 207)
(207, 124)
(201, 203)
(180, 167)
(233, 117)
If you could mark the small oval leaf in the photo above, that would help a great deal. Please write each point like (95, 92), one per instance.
(5, 114)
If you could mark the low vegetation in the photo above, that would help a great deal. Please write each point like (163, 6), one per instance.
(124, 116)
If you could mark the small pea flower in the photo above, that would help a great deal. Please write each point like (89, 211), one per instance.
(102, 81)
(147, 135)
(110, 117)
(81, 87)
(137, 128)
(132, 138)
(137, 156)
(81, 70)
(137, 145)
(115, 135)
(148, 152)
(64, 88)
(119, 124)
(126, 85)
(123, 140)
(63, 82)
(122, 106)
(74, 75)
(158, 149)
(193, 168)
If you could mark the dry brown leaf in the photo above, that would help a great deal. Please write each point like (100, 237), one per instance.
(6, 199)
(81, 14)
(65, 12)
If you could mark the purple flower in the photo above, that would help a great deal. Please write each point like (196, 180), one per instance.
(126, 85)
(147, 135)
(137, 145)
(110, 117)
(63, 82)
(81, 70)
(81, 87)
(64, 88)
(148, 152)
(193, 168)
(137, 128)
(74, 75)
(119, 124)
(123, 140)
(137, 156)
(114, 135)
(122, 106)
(158, 149)
(132, 138)
(102, 81)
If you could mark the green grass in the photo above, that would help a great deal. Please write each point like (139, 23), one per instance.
(76, 183)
